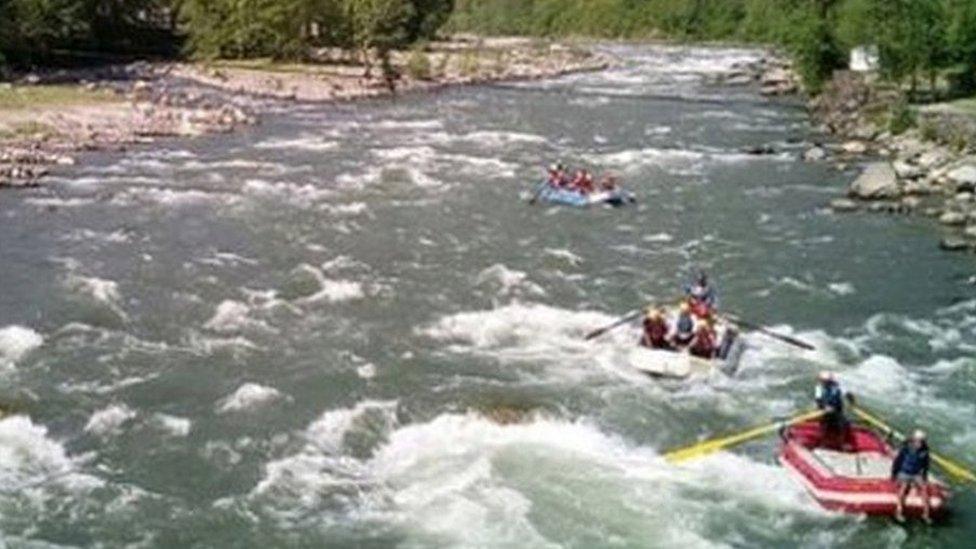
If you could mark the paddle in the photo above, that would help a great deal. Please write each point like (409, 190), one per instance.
(717, 444)
(949, 466)
(538, 193)
(767, 332)
(629, 317)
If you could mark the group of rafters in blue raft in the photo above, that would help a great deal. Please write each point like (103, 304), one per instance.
(580, 189)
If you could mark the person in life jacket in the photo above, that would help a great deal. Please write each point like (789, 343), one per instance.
(830, 398)
(703, 344)
(609, 182)
(684, 328)
(582, 182)
(655, 330)
(911, 469)
(701, 296)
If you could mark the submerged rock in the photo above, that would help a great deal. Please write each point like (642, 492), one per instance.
(954, 244)
(815, 154)
(878, 181)
(844, 205)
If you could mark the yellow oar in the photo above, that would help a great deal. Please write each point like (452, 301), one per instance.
(711, 446)
(949, 466)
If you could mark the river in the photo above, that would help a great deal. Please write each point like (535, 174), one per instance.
(302, 335)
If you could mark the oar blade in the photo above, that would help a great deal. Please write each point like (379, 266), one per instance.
(707, 447)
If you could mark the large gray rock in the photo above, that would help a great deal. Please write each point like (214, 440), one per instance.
(963, 177)
(934, 158)
(906, 170)
(953, 219)
(878, 181)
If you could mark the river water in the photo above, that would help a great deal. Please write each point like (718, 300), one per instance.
(306, 334)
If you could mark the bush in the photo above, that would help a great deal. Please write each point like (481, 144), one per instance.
(901, 118)
(418, 64)
(929, 130)
(470, 64)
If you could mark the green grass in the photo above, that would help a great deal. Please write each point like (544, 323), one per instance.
(27, 130)
(27, 97)
(966, 106)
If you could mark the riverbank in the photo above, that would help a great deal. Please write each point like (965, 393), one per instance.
(918, 160)
(45, 118)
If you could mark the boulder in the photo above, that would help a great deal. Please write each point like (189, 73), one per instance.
(878, 181)
(952, 218)
(815, 154)
(844, 205)
(934, 158)
(918, 188)
(904, 170)
(970, 231)
(954, 244)
(963, 177)
(854, 147)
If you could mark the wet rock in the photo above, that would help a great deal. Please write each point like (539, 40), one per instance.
(935, 158)
(844, 205)
(759, 150)
(815, 154)
(904, 170)
(970, 231)
(954, 244)
(918, 188)
(952, 218)
(911, 203)
(854, 147)
(963, 177)
(878, 181)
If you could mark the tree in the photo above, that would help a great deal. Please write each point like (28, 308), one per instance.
(379, 25)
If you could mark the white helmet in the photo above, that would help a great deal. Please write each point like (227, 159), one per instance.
(919, 435)
(826, 376)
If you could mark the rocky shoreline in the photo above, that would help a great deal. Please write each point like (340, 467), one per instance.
(167, 100)
(928, 169)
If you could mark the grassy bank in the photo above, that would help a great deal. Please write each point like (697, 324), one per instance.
(35, 97)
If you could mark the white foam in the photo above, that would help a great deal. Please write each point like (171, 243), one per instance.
(330, 290)
(248, 397)
(109, 420)
(173, 425)
(29, 456)
(16, 342)
(506, 282)
(101, 290)
(233, 316)
(305, 142)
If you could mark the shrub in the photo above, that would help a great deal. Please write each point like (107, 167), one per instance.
(929, 130)
(418, 64)
(901, 118)
(470, 63)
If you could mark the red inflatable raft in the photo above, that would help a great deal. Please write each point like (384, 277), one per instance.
(851, 475)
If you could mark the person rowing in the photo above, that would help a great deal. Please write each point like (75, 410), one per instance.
(703, 344)
(557, 176)
(684, 327)
(582, 182)
(655, 329)
(830, 398)
(608, 182)
(910, 469)
(701, 296)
